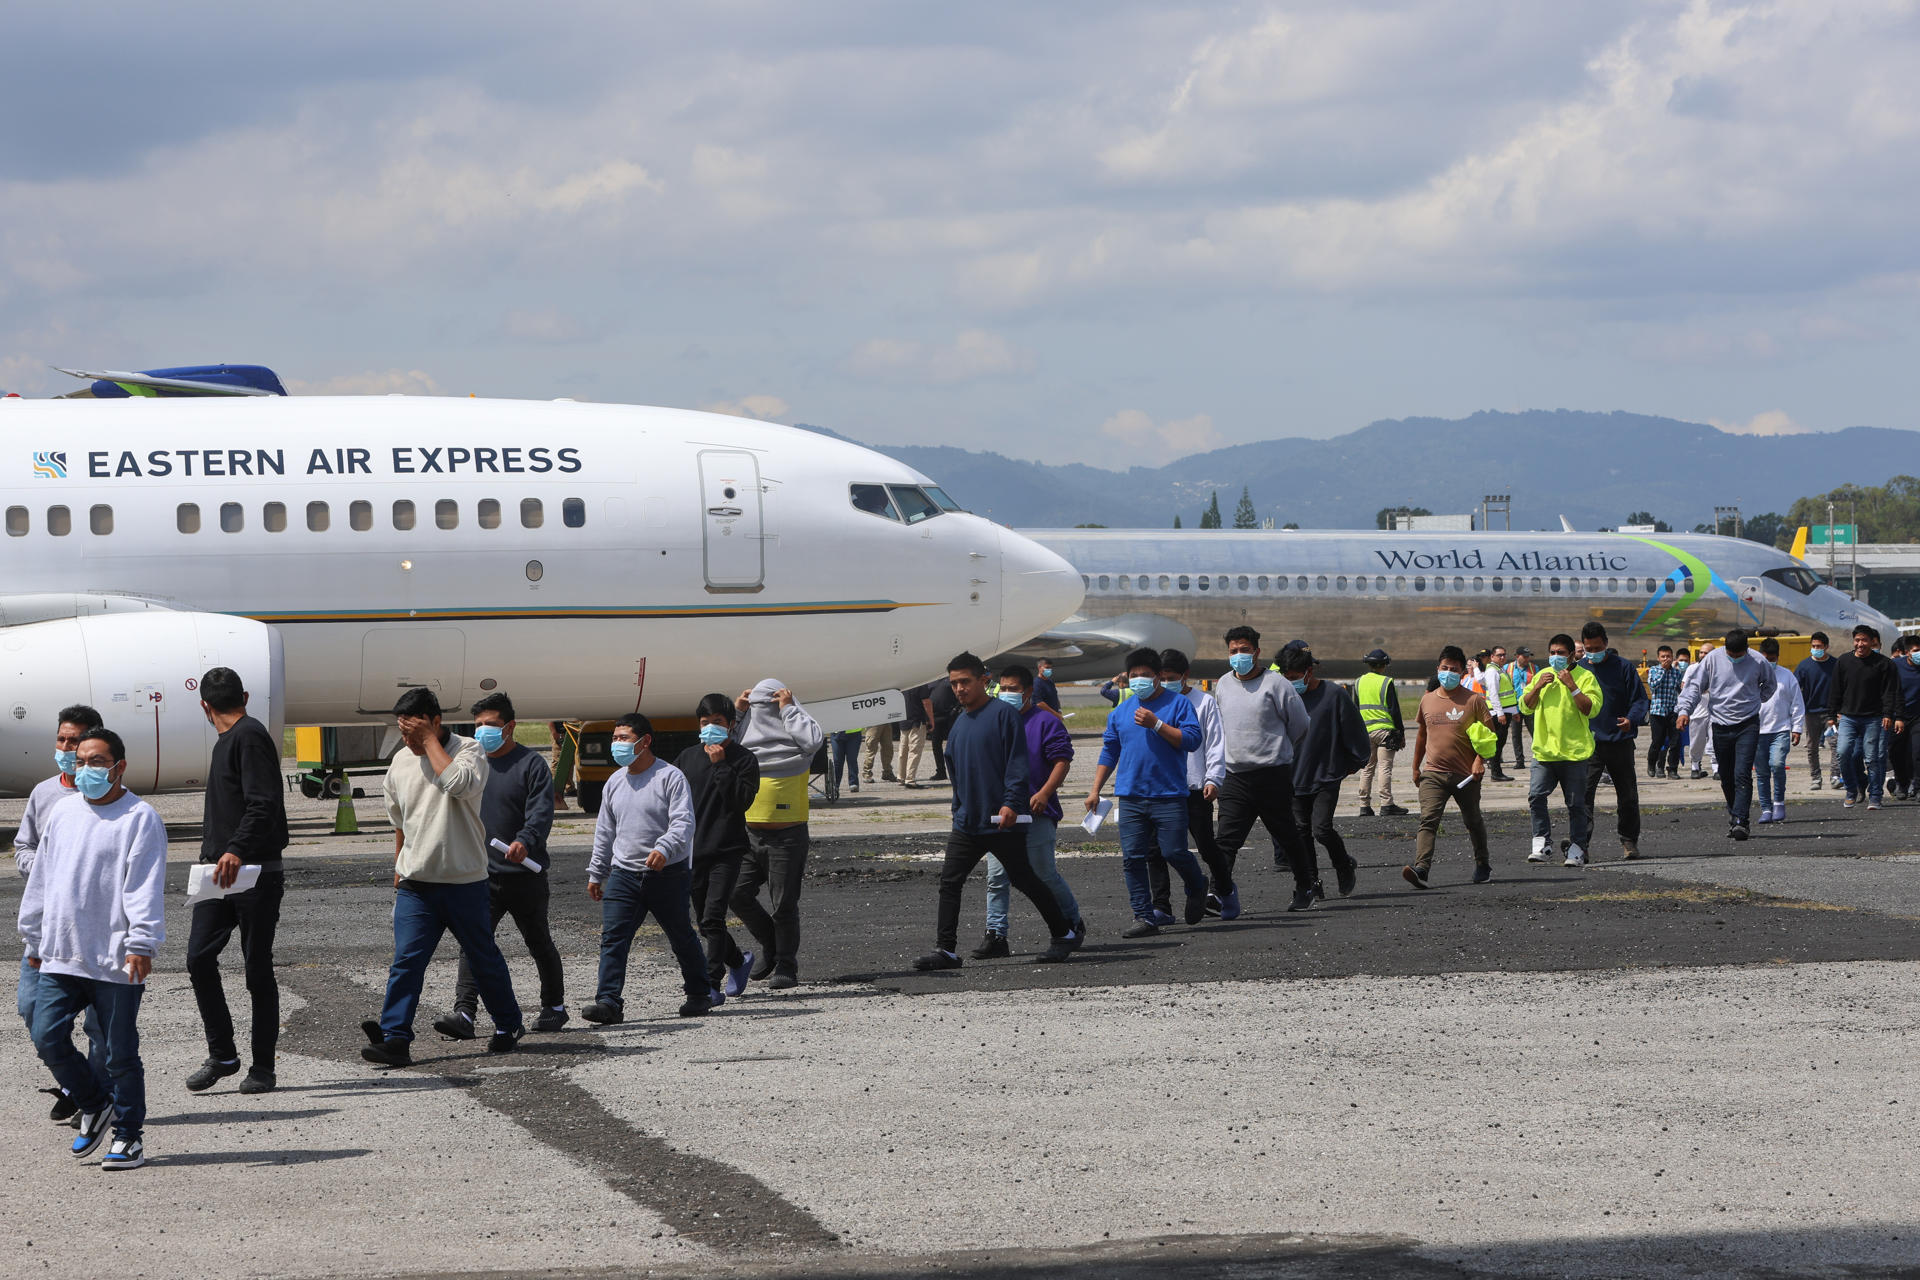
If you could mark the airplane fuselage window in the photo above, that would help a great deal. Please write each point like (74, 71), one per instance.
(100, 519)
(573, 512)
(18, 522)
(273, 517)
(1498, 585)
(1320, 583)
(186, 517)
(233, 517)
(534, 570)
(488, 513)
(1185, 582)
(1420, 583)
(1459, 584)
(1479, 584)
(402, 514)
(1203, 582)
(59, 521)
(1613, 584)
(913, 504)
(1105, 582)
(531, 514)
(872, 499)
(446, 514)
(1553, 584)
(1536, 586)
(318, 517)
(1439, 583)
(360, 516)
(1340, 583)
(1163, 581)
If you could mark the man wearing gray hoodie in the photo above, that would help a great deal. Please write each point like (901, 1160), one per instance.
(784, 739)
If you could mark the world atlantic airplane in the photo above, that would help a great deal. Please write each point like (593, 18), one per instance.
(1346, 593)
(585, 558)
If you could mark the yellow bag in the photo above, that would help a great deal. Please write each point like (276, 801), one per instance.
(1485, 741)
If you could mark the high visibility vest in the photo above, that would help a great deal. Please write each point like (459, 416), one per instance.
(1375, 694)
(1508, 699)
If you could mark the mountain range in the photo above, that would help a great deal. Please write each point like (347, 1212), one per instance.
(1593, 468)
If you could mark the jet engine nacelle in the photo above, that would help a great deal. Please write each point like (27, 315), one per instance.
(141, 671)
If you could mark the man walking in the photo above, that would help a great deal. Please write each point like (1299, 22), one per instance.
(1865, 699)
(1044, 691)
(1663, 705)
(913, 735)
(516, 809)
(1447, 767)
(987, 764)
(1906, 666)
(1049, 756)
(1206, 770)
(1380, 713)
(943, 709)
(1815, 678)
(1335, 746)
(1264, 722)
(244, 823)
(1563, 700)
(72, 725)
(1623, 709)
(92, 920)
(784, 740)
(1503, 704)
(435, 788)
(1736, 684)
(642, 863)
(1782, 720)
(723, 779)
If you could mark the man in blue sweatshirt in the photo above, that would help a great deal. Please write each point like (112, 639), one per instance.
(1623, 709)
(1815, 678)
(1144, 750)
(992, 806)
(92, 920)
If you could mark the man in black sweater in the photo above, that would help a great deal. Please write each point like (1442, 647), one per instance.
(724, 778)
(517, 810)
(1865, 699)
(244, 822)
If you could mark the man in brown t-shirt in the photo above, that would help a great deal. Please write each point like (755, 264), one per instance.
(1446, 765)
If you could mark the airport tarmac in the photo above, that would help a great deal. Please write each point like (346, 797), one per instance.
(1696, 1064)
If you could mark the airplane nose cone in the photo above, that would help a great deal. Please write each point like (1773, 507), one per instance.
(1038, 589)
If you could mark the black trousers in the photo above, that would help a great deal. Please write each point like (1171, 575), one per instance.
(256, 914)
(1665, 744)
(1265, 796)
(524, 896)
(777, 859)
(1510, 731)
(939, 744)
(714, 880)
(1313, 813)
(1200, 827)
(1900, 755)
(965, 851)
(1621, 760)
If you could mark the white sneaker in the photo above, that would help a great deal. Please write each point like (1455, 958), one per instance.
(1576, 856)
(1539, 853)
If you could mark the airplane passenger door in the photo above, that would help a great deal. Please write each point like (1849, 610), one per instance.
(394, 659)
(730, 532)
(1754, 596)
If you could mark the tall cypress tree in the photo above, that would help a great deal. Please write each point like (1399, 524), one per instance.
(1210, 518)
(1176, 522)
(1244, 516)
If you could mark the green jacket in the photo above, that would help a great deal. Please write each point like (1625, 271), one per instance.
(1561, 731)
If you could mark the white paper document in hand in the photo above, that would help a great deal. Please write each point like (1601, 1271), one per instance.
(506, 849)
(201, 886)
(1099, 815)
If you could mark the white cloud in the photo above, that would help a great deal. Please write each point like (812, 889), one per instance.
(376, 382)
(973, 353)
(1176, 438)
(1773, 422)
(764, 407)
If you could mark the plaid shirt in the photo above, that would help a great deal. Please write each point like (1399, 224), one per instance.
(1663, 690)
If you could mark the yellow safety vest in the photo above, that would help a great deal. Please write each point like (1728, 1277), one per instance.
(1375, 694)
(1508, 699)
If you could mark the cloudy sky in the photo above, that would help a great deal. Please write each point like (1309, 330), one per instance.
(1107, 232)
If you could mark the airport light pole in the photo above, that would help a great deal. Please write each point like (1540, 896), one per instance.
(1727, 513)
(1500, 502)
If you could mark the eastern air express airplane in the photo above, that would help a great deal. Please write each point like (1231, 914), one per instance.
(1411, 593)
(585, 558)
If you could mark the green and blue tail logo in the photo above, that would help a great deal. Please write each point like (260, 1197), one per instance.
(1686, 584)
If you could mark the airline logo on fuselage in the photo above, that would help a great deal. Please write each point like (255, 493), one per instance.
(1509, 561)
(400, 460)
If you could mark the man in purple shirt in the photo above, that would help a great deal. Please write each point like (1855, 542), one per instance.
(1049, 756)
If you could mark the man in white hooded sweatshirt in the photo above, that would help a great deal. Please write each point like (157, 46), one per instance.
(784, 740)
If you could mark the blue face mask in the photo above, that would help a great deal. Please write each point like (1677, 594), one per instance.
(624, 753)
(1242, 663)
(490, 737)
(1171, 686)
(1595, 659)
(1680, 665)
(1449, 680)
(1559, 661)
(66, 760)
(1818, 653)
(93, 781)
(712, 735)
(1143, 686)
(1300, 686)
(1013, 699)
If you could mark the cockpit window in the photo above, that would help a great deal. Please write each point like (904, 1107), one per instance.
(940, 498)
(1797, 578)
(873, 499)
(914, 505)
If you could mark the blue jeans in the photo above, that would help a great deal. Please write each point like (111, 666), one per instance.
(1150, 824)
(846, 759)
(625, 900)
(1571, 777)
(123, 1081)
(28, 997)
(1736, 746)
(1863, 764)
(1042, 839)
(422, 914)
(1772, 760)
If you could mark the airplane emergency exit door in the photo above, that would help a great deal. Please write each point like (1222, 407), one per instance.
(730, 520)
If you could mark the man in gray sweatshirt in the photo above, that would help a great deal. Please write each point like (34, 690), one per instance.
(784, 739)
(92, 920)
(1264, 722)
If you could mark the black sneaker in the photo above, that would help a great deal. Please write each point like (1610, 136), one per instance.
(124, 1153)
(1302, 900)
(551, 1020)
(1415, 876)
(699, 1008)
(1213, 906)
(502, 1041)
(1346, 876)
(370, 1027)
(389, 1053)
(1366, 811)
(1058, 952)
(1482, 874)
(1739, 832)
(993, 947)
(1141, 929)
(258, 1082)
(604, 1015)
(937, 959)
(1196, 908)
(211, 1072)
(1319, 891)
(455, 1026)
(763, 967)
(783, 982)
(1392, 811)
(94, 1127)
(64, 1106)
